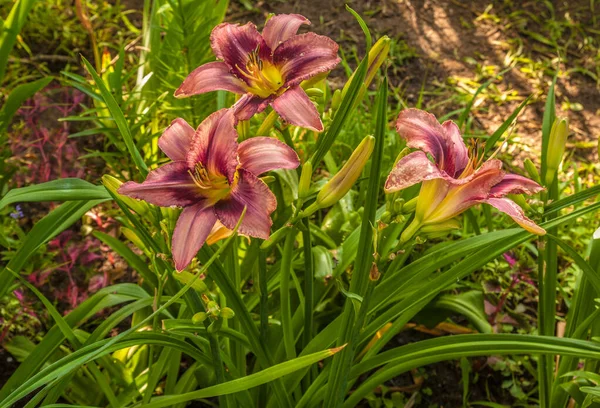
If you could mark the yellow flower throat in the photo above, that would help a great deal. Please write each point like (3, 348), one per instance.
(264, 78)
(213, 186)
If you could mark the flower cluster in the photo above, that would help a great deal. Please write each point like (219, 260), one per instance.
(456, 179)
(214, 178)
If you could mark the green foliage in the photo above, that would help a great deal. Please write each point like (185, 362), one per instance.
(252, 323)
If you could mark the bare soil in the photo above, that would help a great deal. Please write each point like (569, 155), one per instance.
(449, 37)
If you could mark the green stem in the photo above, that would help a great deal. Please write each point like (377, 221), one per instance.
(547, 272)
(359, 285)
(264, 295)
(284, 290)
(309, 288)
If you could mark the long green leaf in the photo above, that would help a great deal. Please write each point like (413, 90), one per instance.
(352, 321)
(10, 30)
(402, 359)
(491, 141)
(68, 189)
(104, 298)
(241, 384)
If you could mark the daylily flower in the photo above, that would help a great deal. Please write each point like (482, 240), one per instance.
(266, 68)
(456, 179)
(213, 179)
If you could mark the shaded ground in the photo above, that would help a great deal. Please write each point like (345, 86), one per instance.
(458, 45)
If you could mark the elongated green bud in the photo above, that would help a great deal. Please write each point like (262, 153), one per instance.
(377, 55)
(556, 148)
(305, 179)
(532, 171)
(410, 205)
(341, 183)
(336, 100)
(112, 184)
(314, 93)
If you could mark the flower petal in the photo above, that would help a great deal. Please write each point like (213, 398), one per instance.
(412, 169)
(253, 193)
(209, 77)
(281, 27)
(233, 43)
(218, 233)
(295, 107)
(304, 56)
(192, 228)
(458, 151)
(248, 105)
(515, 184)
(421, 130)
(511, 208)
(168, 185)
(261, 154)
(215, 144)
(176, 140)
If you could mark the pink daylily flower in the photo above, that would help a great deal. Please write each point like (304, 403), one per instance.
(266, 68)
(213, 179)
(456, 179)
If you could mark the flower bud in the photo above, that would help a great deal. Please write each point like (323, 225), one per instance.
(305, 179)
(397, 206)
(112, 184)
(227, 313)
(532, 171)
(213, 308)
(199, 317)
(314, 93)
(377, 55)
(340, 184)
(410, 205)
(336, 100)
(556, 148)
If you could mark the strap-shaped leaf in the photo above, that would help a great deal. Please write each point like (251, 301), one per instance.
(67, 189)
